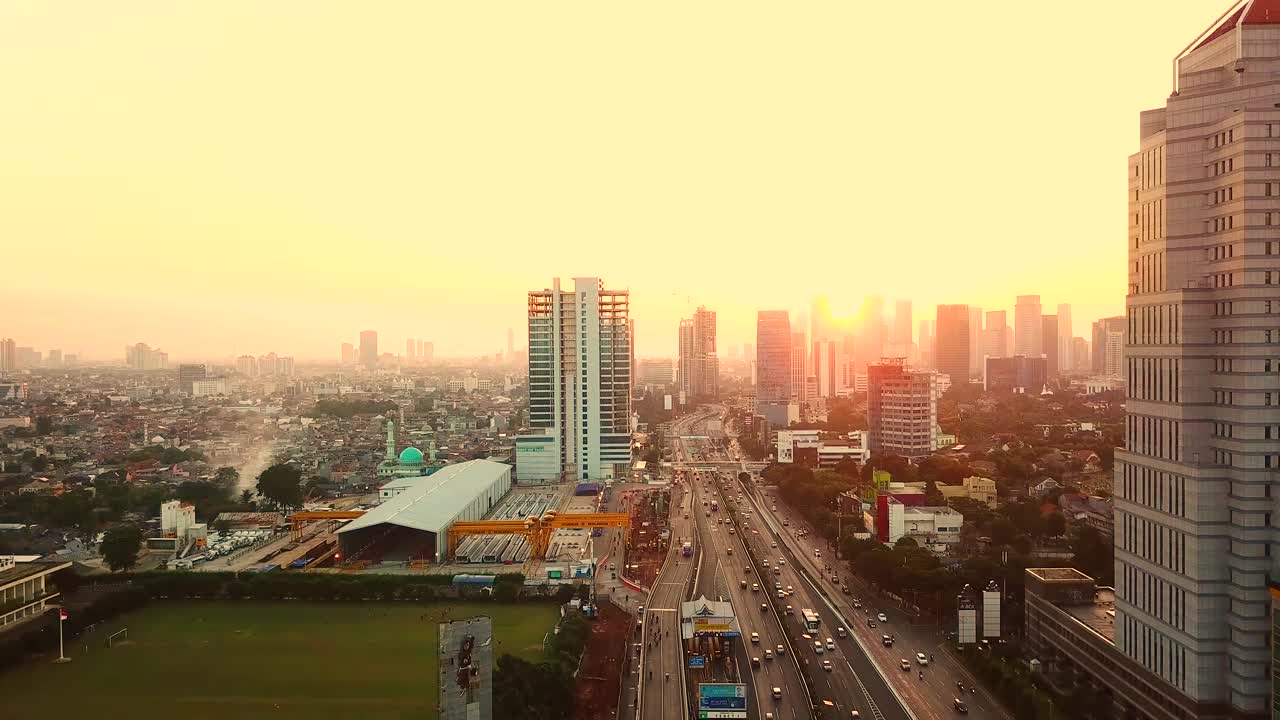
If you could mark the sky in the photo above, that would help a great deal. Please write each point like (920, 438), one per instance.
(244, 177)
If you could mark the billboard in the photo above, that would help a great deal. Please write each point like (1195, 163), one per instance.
(967, 618)
(991, 612)
(466, 669)
(714, 626)
(722, 700)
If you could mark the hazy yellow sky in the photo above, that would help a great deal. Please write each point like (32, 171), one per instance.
(255, 176)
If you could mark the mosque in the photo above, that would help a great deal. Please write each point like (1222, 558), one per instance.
(410, 463)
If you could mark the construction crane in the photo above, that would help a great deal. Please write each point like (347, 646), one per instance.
(537, 530)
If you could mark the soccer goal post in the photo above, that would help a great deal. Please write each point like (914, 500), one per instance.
(118, 636)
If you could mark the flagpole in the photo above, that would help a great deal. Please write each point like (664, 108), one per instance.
(62, 657)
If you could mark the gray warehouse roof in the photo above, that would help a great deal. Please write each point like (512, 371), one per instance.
(431, 504)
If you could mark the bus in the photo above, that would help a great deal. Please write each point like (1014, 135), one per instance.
(687, 549)
(809, 618)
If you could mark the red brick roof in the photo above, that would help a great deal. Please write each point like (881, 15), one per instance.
(1261, 12)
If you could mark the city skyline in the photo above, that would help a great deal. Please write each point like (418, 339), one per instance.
(108, 171)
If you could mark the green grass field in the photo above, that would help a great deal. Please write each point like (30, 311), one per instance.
(262, 660)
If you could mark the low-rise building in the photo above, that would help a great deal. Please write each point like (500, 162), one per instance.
(1070, 630)
(24, 589)
(934, 528)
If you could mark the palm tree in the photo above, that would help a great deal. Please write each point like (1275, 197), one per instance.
(246, 496)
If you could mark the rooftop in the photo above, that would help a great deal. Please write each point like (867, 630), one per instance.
(432, 502)
(25, 571)
(1099, 615)
(1059, 573)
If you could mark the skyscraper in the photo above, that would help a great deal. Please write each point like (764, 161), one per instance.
(511, 340)
(348, 355)
(8, 355)
(247, 365)
(54, 360)
(951, 346)
(428, 351)
(829, 367)
(579, 384)
(975, 341)
(368, 349)
(1049, 333)
(773, 356)
(1027, 326)
(1195, 484)
(699, 366)
(821, 325)
(996, 335)
(1102, 329)
(902, 408)
(799, 353)
(926, 344)
(188, 373)
(410, 349)
(902, 322)
(1063, 338)
(871, 336)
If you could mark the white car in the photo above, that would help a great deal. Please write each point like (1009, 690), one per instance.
(755, 637)
(831, 644)
(922, 659)
(826, 665)
(882, 618)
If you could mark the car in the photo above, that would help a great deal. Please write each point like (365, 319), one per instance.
(746, 569)
(773, 544)
(782, 650)
(857, 604)
(785, 523)
(743, 584)
(768, 654)
(731, 532)
(843, 588)
(922, 659)
(755, 637)
(886, 640)
(782, 594)
(708, 513)
(781, 562)
(764, 607)
(777, 586)
(777, 693)
(755, 587)
(817, 647)
(831, 644)
(755, 662)
(855, 715)
(841, 633)
(768, 716)
(826, 665)
(790, 589)
(790, 611)
(729, 551)
(777, 571)
(882, 618)
(960, 707)
(871, 623)
(905, 664)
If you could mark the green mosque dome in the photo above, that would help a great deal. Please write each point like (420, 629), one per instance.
(411, 456)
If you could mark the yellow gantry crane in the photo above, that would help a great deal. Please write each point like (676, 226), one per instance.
(537, 529)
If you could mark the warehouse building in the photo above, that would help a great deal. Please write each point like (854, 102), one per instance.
(413, 524)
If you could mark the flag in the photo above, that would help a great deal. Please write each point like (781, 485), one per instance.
(62, 614)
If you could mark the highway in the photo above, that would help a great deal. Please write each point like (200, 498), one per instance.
(930, 698)
(724, 568)
(663, 697)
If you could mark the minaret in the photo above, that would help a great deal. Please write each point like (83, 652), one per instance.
(432, 450)
(391, 441)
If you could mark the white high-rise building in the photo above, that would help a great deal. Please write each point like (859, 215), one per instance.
(699, 366)
(579, 385)
(1027, 326)
(1196, 483)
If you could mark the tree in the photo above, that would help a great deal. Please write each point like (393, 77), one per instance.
(932, 495)
(1055, 524)
(1002, 531)
(120, 546)
(282, 485)
(228, 476)
(1092, 555)
(246, 496)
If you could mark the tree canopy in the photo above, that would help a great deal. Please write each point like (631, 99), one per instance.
(281, 484)
(120, 546)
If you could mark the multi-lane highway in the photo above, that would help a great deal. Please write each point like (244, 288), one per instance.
(726, 572)
(929, 691)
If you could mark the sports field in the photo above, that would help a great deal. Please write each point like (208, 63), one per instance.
(269, 660)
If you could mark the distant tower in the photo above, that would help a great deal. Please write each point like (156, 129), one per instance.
(390, 455)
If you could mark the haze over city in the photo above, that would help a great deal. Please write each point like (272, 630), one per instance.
(247, 177)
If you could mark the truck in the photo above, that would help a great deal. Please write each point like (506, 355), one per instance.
(687, 549)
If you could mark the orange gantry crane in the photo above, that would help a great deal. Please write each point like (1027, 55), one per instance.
(536, 529)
